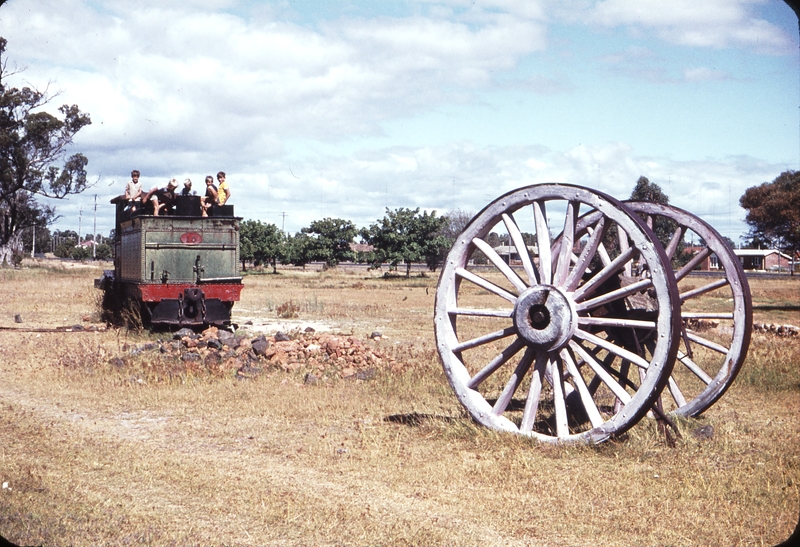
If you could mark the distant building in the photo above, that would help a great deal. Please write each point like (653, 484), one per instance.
(769, 260)
(710, 262)
(510, 255)
(361, 248)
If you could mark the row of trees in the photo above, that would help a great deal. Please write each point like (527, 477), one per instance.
(402, 236)
(406, 236)
(63, 244)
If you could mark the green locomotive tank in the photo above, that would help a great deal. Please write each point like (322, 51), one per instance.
(182, 268)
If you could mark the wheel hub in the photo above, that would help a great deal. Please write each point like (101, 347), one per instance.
(545, 317)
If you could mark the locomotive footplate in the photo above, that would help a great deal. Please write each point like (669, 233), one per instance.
(191, 308)
(189, 305)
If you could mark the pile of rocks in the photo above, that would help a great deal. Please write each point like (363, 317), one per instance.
(701, 325)
(777, 330)
(320, 356)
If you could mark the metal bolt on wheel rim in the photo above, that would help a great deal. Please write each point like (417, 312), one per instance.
(542, 347)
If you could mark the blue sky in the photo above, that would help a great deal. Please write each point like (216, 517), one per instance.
(341, 109)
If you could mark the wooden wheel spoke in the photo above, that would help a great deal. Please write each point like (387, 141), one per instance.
(622, 374)
(694, 367)
(704, 289)
(583, 390)
(617, 294)
(485, 284)
(595, 237)
(559, 399)
(485, 339)
(605, 258)
(542, 241)
(616, 322)
(534, 393)
(705, 342)
(674, 241)
(502, 358)
(513, 383)
(696, 259)
(481, 312)
(495, 258)
(522, 248)
(704, 315)
(566, 242)
(624, 245)
(676, 393)
(601, 372)
(590, 286)
(613, 348)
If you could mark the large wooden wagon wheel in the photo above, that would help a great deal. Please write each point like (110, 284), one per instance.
(715, 332)
(543, 347)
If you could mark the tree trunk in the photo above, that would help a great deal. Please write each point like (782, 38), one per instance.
(8, 250)
(6, 254)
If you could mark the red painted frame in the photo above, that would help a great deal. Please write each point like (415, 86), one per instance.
(156, 292)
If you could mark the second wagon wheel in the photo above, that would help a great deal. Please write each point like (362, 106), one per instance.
(716, 312)
(537, 341)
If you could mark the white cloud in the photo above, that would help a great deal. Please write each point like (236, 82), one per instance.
(154, 75)
(707, 23)
(188, 89)
(455, 176)
(704, 74)
(463, 176)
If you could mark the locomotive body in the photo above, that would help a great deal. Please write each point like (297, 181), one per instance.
(182, 268)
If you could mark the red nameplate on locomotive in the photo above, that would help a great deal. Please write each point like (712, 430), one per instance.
(191, 238)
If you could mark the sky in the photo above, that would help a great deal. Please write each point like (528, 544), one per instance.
(342, 109)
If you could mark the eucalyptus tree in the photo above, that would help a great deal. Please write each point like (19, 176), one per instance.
(34, 160)
(407, 236)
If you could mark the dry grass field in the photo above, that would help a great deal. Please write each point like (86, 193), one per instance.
(92, 453)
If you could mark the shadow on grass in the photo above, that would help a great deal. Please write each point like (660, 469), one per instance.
(416, 419)
(774, 307)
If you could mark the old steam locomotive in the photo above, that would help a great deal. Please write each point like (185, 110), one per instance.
(177, 269)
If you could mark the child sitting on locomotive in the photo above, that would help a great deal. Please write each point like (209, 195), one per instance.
(162, 198)
(224, 192)
(187, 188)
(211, 197)
(133, 191)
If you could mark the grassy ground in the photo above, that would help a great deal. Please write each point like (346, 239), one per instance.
(96, 454)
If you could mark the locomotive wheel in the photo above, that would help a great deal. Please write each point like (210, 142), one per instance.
(715, 335)
(543, 349)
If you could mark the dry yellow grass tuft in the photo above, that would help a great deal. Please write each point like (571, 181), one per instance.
(97, 453)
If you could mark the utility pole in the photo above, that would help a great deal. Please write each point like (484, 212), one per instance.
(80, 219)
(94, 231)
